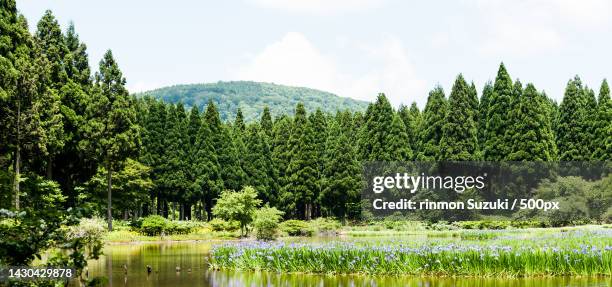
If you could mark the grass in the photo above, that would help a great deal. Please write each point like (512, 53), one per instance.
(500, 253)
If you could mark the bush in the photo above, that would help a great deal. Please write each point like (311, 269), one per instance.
(218, 225)
(266, 222)
(607, 217)
(296, 228)
(487, 224)
(154, 225)
(573, 210)
(325, 225)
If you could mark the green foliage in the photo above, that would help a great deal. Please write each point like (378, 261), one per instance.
(602, 125)
(500, 101)
(239, 206)
(325, 226)
(295, 227)
(573, 124)
(266, 222)
(530, 137)
(253, 97)
(412, 121)
(580, 200)
(459, 140)
(155, 225)
(218, 224)
(301, 178)
(433, 122)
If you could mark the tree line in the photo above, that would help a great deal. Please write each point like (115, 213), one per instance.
(130, 156)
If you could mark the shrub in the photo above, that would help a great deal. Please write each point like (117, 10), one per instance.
(154, 225)
(266, 222)
(325, 225)
(607, 217)
(219, 224)
(296, 228)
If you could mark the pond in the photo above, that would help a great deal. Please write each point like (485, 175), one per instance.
(191, 258)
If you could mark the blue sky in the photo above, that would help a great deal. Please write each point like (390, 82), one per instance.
(354, 48)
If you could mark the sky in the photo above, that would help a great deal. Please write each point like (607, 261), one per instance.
(353, 48)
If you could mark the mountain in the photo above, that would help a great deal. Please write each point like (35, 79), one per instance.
(251, 97)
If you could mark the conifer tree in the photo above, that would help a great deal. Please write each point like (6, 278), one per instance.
(208, 181)
(342, 181)
(301, 176)
(266, 122)
(572, 124)
(495, 148)
(532, 138)
(483, 109)
(412, 120)
(433, 121)
(397, 141)
(373, 137)
(459, 140)
(227, 154)
(76, 61)
(258, 165)
(18, 91)
(110, 129)
(154, 148)
(239, 121)
(319, 128)
(281, 152)
(603, 125)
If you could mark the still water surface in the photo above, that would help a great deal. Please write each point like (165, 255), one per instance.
(191, 258)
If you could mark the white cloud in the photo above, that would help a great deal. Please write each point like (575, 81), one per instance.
(521, 28)
(319, 6)
(138, 87)
(295, 61)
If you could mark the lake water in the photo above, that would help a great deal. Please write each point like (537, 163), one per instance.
(191, 258)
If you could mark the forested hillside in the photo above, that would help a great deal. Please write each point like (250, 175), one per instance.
(252, 97)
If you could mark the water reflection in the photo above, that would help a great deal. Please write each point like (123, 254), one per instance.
(185, 264)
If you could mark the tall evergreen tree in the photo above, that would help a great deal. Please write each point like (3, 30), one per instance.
(483, 108)
(433, 121)
(319, 128)
(572, 124)
(301, 176)
(342, 181)
(266, 122)
(110, 129)
(227, 154)
(258, 165)
(603, 125)
(412, 120)
(76, 61)
(459, 140)
(18, 91)
(495, 148)
(208, 181)
(532, 137)
(281, 152)
(397, 141)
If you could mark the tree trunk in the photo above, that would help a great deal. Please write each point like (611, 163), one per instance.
(173, 210)
(17, 157)
(17, 175)
(188, 211)
(50, 168)
(182, 211)
(109, 176)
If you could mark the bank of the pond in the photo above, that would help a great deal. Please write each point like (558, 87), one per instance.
(580, 252)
